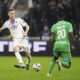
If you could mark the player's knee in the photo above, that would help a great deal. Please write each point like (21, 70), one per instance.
(29, 55)
(16, 49)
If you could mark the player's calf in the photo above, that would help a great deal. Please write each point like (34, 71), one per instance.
(59, 65)
(28, 60)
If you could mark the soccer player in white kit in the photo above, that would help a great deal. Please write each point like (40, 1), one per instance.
(15, 25)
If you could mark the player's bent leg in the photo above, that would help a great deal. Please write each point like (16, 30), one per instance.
(19, 58)
(66, 59)
(28, 54)
(27, 46)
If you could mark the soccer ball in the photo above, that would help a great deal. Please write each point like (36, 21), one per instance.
(36, 67)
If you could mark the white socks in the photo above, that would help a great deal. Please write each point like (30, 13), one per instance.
(18, 56)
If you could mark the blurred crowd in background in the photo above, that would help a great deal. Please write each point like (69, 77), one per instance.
(42, 14)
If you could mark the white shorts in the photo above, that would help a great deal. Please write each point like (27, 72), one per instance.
(23, 43)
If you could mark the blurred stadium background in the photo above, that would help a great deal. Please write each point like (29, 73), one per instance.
(40, 15)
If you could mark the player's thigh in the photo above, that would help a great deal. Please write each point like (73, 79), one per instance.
(26, 45)
(16, 45)
(56, 54)
(66, 56)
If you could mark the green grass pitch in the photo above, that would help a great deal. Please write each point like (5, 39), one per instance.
(9, 72)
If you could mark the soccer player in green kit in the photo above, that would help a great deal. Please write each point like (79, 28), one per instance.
(62, 34)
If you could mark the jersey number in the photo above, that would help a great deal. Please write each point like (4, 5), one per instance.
(61, 33)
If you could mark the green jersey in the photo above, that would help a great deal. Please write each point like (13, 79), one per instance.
(61, 31)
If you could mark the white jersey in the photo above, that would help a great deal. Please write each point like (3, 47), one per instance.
(16, 27)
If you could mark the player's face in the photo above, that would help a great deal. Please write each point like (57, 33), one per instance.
(11, 14)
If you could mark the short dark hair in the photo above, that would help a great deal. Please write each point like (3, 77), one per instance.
(10, 9)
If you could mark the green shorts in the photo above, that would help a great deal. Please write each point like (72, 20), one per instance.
(65, 55)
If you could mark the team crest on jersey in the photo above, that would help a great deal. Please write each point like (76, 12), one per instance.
(14, 25)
